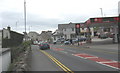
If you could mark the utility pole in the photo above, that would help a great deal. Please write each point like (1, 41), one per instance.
(25, 14)
(101, 12)
(25, 33)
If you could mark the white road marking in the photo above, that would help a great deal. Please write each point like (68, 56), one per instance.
(90, 57)
(64, 52)
(72, 51)
(102, 63)
(109, 65)
(108, 62)
(78, 56)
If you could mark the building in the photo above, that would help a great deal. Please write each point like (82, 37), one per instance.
(11, 38)
(0, 38)
(46, 36)
(57, 35)
(33, 35)
(91, 28)
(6, 33)
(104, 25)
(69, 31)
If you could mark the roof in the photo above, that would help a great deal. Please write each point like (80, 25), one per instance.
(69, 25)
(102, 20)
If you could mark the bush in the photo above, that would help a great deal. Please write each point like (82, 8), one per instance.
(16, 51)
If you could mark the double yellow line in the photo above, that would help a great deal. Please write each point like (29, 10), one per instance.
(57, 62)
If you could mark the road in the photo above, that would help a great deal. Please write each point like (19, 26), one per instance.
(74, 58)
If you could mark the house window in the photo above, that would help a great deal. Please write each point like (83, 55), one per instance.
(64, 29)
(82, 28)
(72, 29)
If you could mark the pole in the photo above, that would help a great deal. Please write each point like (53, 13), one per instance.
(88, 35)
(25, 34)
(101, 12)
(25, 14)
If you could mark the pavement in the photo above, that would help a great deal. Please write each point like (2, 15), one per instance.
(40, 62)
(108, 46)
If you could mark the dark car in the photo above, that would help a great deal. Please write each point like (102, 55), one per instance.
(44, 46)
(82, 39)
(54, 42)
(103, 36)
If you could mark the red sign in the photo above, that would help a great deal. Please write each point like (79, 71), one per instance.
(77, 25)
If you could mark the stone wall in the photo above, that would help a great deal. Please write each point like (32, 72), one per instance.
(22, 62)
(15, 40)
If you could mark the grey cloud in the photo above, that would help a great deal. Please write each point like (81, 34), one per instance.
(10, 18)
(37, 23)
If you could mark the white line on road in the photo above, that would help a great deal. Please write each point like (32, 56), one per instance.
(72, 51)
(108, 65)
(64, 52)
(90, 57)
(108, 62)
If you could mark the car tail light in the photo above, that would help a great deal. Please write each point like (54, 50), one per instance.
(40, 45)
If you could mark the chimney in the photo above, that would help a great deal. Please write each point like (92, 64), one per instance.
(9, 28)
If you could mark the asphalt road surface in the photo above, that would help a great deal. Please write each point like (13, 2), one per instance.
(73, 58)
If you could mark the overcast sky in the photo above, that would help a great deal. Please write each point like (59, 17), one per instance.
(43, 15)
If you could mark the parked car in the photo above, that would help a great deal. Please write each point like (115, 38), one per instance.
(110, 35)
(67, 42)
(79, 40)
(103, 36)
(54, 42)
(82, 39)
(75, 40)
(44, 46)
(35, 42)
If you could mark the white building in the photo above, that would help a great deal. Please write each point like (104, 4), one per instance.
(33, 35)
(0, 38)
(68, 30)
(46, 36)
(6, 33)
(57, 35)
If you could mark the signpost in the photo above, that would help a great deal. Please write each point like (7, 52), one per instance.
(77, 27)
